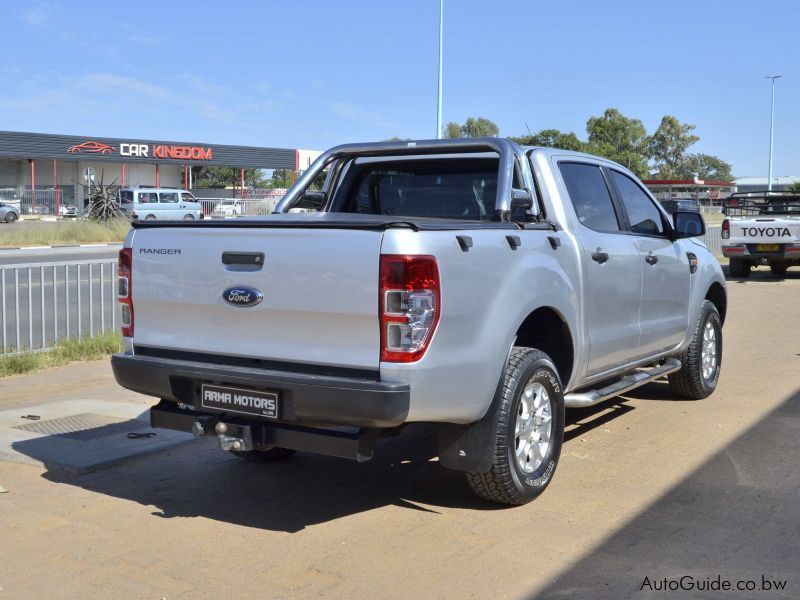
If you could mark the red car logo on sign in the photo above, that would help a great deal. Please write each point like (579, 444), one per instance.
(92, 148)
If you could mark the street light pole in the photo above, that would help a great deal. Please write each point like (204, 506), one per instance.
(439, 94)
(771, 128)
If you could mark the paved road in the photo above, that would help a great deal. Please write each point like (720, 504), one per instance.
(26, 256)
(648, 487)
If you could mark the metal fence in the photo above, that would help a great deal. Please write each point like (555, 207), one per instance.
(223, 208)
(713, 239)
(41, 202)
(42, 303)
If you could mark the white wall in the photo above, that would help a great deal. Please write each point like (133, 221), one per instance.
(135, 174)
(9, 173)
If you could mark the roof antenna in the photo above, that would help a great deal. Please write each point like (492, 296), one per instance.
(528, 128)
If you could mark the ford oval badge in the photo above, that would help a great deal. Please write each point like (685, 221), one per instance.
(242, 296)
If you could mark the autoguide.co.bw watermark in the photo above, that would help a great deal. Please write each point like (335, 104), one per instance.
(690, 583)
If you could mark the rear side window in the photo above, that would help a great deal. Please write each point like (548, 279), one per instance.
(169, 197)
(148, 197)
(590, 196)
(643, 215)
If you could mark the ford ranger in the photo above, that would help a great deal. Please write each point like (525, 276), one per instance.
(474, 284)
(761, 227)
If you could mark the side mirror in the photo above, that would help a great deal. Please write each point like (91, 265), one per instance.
(311, 200)
(521, 199)
(686, 224)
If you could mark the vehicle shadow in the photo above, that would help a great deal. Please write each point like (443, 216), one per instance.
(736, 516)
(761, 272)
(197, 479)
(579, 421)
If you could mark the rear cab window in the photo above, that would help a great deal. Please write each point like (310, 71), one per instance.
(441, 188)
(590, 196)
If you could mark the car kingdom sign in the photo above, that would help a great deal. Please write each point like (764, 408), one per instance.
(144, 150)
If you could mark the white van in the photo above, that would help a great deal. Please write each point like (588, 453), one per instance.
(147, 204)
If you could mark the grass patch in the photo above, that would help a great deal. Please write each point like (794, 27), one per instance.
(63, 232)
(98, 347)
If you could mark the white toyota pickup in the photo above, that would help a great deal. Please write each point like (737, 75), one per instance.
(474, 284)
(761, 227)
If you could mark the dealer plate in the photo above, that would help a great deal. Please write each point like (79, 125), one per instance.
(767, 247)
(239, 400)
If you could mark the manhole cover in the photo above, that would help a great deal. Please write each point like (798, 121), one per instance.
(83, 427)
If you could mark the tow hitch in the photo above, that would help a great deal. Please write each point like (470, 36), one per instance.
(234, 437)
(241, 436)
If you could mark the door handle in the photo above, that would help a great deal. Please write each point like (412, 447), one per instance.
(651, 259)
(599, 257)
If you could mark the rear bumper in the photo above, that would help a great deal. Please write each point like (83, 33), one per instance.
(303, 398)
(750, 251)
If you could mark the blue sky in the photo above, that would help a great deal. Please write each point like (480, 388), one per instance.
(315, 73)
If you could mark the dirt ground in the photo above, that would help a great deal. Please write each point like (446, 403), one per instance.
(648, 488)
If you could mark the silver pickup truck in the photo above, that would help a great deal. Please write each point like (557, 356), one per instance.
(474, 284)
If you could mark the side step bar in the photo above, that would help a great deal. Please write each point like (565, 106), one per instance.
(625, 384)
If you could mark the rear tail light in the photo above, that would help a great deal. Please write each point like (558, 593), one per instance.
(124, 290)
(410, 300)
(726, 229)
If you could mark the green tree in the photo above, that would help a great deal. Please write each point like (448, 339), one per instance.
(480, 127)
(668, 145)
(452, 130)
(552, 138)
(619, 138)
(220, 177)
(793, 187)
(706, 166)
(281, 178)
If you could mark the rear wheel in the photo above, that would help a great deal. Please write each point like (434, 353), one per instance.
(778, 268)
(530, 431)
(11, 217)
(739, 267)
(188, 218)
(150, 218)
(701, 362)
(271, 455)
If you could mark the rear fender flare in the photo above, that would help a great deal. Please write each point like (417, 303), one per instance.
(469, 447)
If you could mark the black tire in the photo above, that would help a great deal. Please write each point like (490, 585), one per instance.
(11, 217)
(271, 455)
(738, 267)
(689, 381)
(150, 218)
(506, 482)
(778, 268)
(188, 218)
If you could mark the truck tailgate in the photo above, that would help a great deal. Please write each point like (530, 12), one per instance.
(765, 230)
(319, 286)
